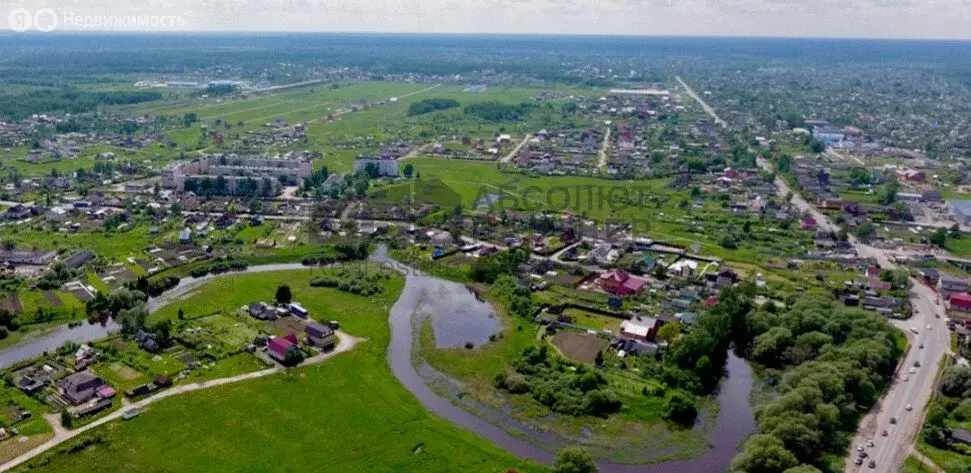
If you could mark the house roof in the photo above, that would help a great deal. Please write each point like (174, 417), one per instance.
(77, 379)
(318, 329)
(962, 299)
(279, 345)
(616, 275)
(634, 284)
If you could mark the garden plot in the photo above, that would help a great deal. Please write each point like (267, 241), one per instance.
(11, 303)
(117, 276)
(579, 346)
(229, 330)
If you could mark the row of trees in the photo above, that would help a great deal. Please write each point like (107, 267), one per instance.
(431, 105)
(835, 361)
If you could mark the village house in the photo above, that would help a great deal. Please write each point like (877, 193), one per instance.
(960, 303)
(319, 335)
(949, 285)
(279, 346)
(621, 283)
(81, 387)
(639, 328)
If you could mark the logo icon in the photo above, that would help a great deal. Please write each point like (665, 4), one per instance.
(20, 20)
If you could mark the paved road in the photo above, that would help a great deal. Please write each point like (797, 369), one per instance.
(889, 452)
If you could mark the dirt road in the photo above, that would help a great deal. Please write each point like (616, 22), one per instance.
(346, 343)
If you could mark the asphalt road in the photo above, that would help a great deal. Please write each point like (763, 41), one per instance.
(889, 452)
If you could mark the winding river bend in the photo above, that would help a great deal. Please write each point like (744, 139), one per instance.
(423, 293)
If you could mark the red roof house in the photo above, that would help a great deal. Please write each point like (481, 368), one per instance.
(961, 302)
(809, 223)
(878, 285)
(620, 282)
(278, 347)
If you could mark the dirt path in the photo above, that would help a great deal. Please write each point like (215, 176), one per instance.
(602, 161)
(704, 105)
(347, 342)
(512, 154)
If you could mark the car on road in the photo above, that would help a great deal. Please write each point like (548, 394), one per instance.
(893, 420)
(858, 461)
(914, 330)
(928, 326)
(863, 455)
(869, 443)
(872, 464)
(916, 363)
(859, 448)
(883, 434)
(908, 408)
(911, 371)
(921, 346)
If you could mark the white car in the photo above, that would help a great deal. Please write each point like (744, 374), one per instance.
(913, 329)
(908, 408)
(906, 378)
(928, 326)
(911, 371)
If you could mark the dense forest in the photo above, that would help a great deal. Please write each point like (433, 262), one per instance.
(68, 100)
(829, 365)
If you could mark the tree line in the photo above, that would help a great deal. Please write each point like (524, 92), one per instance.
(829, 364)
(431, 105)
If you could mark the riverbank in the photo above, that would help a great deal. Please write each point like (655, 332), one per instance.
(350, 407)
(733, 419)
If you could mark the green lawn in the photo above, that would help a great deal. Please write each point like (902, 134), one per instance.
(949, 461)
(345, 415)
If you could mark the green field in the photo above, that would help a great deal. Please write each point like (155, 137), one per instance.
(345, 415)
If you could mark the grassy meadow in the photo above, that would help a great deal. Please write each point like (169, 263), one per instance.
(348, 414)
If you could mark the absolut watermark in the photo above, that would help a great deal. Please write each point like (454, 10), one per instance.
(45, 20)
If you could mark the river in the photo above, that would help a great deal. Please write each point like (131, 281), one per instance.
(429, 295)
(422, 293)
(36, 343)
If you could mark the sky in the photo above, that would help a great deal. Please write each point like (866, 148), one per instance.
(910, 19)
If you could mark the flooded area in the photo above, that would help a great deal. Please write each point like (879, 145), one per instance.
(36, 343)
(442, 395)
(458, 315)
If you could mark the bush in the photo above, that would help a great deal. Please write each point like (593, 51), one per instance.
(680, 408)
(553, 383)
